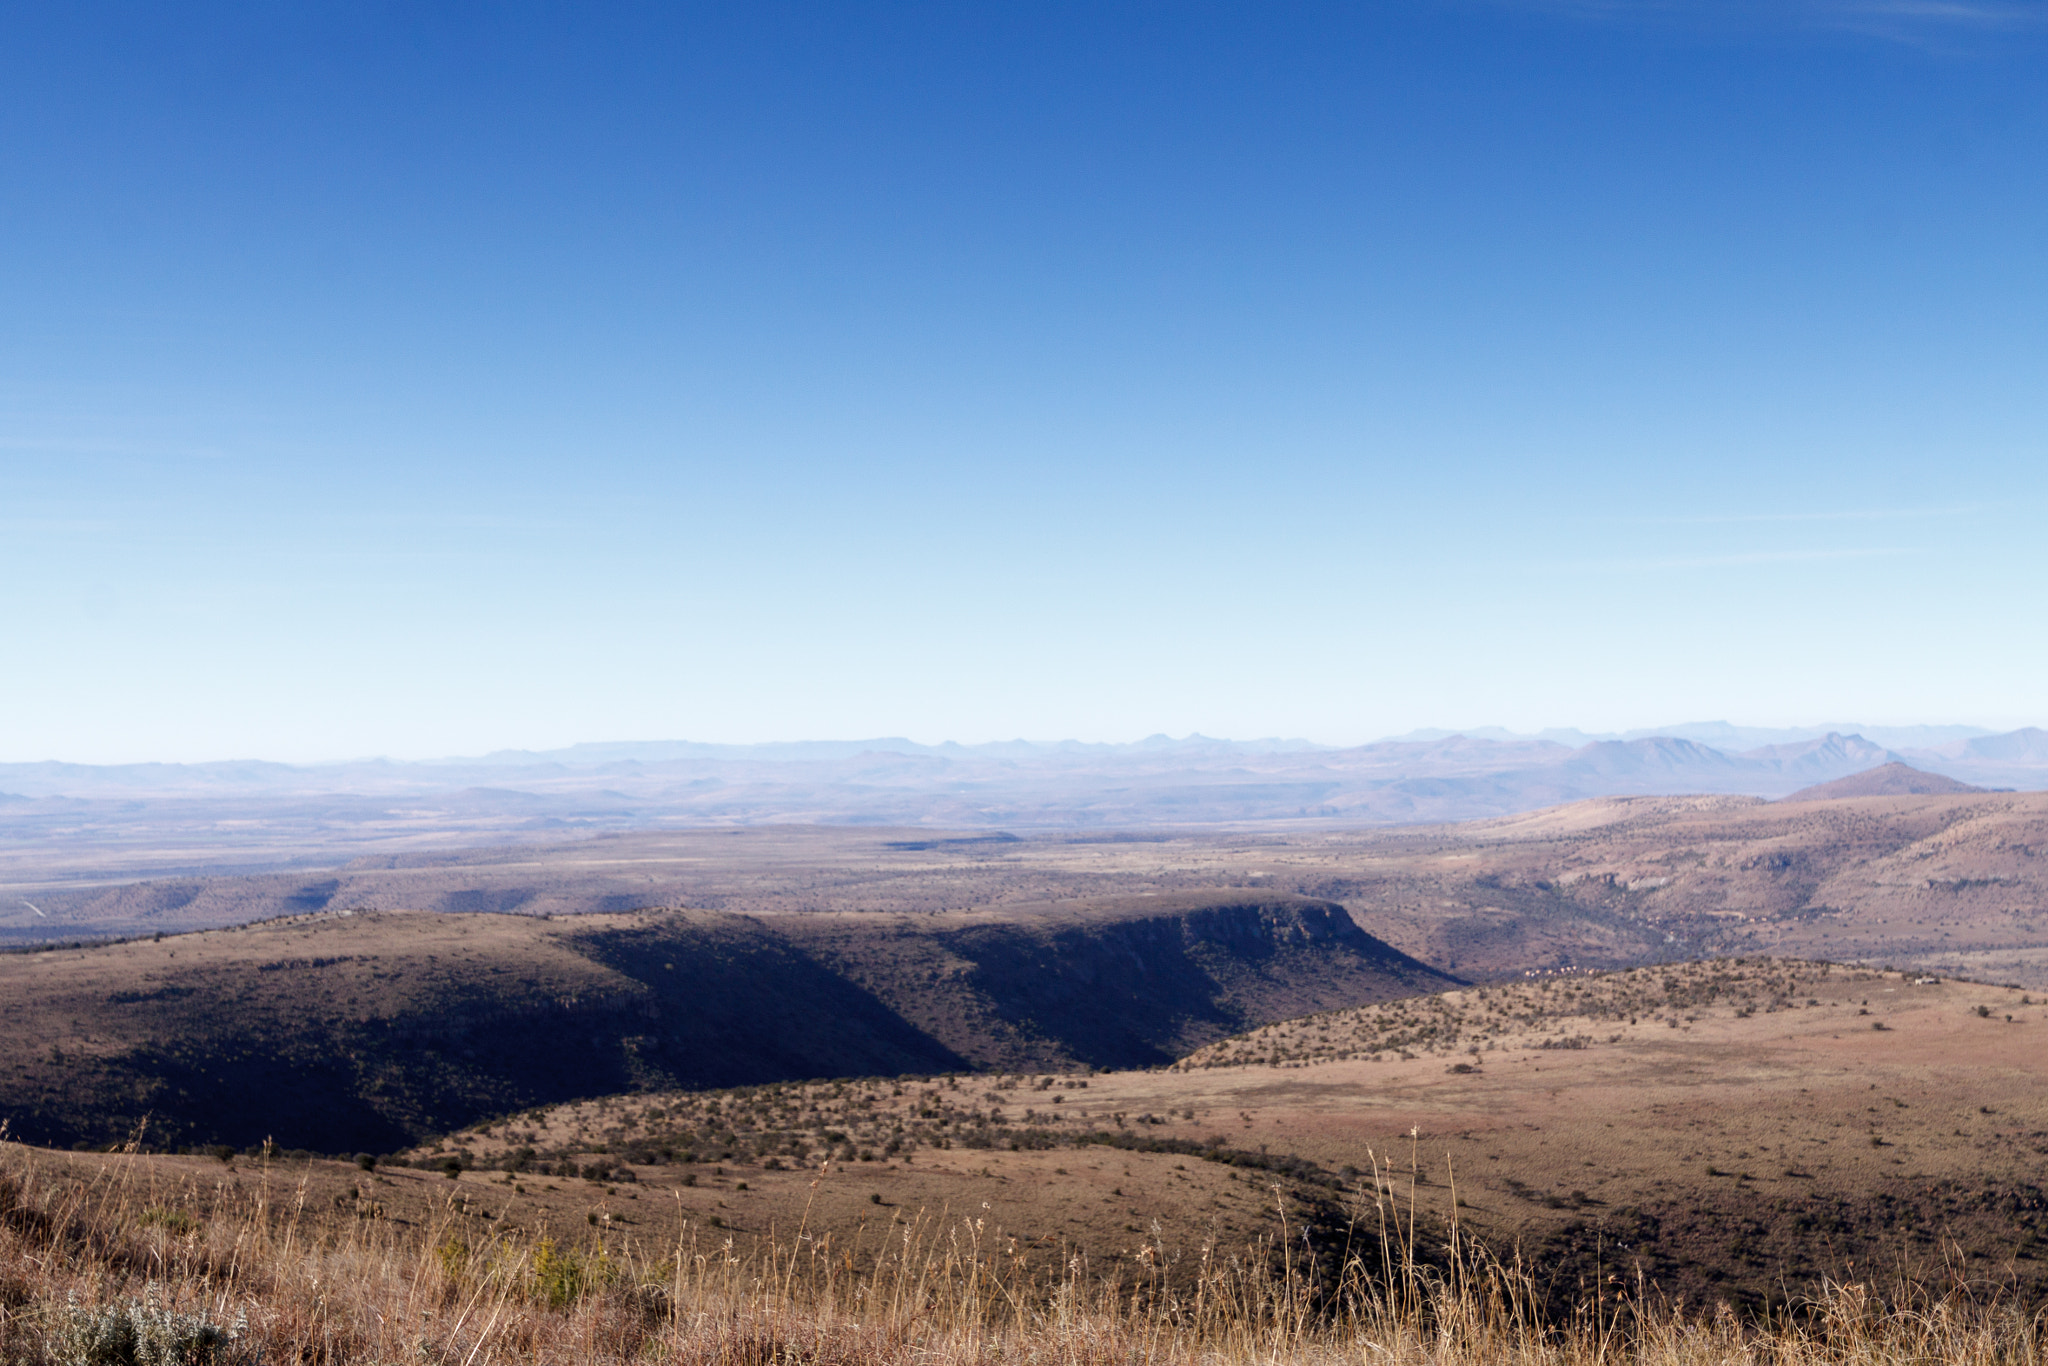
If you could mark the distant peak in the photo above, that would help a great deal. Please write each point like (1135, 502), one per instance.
(1895, 779)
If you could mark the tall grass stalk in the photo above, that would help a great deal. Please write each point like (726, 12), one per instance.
(260, 1280)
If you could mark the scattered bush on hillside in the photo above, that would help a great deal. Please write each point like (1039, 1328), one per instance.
(140, 1332)
(1524, 1014)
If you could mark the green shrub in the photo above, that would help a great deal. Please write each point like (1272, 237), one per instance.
(173, 1221)
(453, 1254)
(561, 1276)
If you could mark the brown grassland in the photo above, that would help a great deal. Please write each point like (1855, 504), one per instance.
(1737, 1131)
(1113, 1100)
(1720, 1161)
(835, 953)
(1707, 1162)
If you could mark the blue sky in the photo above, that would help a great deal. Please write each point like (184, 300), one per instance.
(425, 380)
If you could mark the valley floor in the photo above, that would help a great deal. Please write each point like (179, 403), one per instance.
(1737, 1132)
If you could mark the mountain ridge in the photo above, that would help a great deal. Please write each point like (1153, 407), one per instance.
(69, 826)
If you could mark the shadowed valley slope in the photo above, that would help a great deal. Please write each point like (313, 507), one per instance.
(341, 1032)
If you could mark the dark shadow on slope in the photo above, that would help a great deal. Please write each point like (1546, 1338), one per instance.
(1144, 981)
(242, 1056)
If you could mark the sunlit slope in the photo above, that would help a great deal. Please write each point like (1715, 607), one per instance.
(1738, 1131)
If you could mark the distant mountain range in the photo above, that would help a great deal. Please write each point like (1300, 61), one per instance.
(1426, 775)
(71, 825)
(1725, 736)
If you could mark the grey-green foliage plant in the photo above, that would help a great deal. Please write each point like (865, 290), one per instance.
(142, 1333)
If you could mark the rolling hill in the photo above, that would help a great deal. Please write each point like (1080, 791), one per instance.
(337, 1032)
(1887, 780)
(1736, 1131)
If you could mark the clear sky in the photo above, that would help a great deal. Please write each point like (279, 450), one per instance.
(417, 380)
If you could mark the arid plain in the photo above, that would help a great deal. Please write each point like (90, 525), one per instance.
(1955, 883)
(1606, 1036)
(1732, 1132)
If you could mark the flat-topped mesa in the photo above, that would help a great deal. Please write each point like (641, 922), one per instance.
(366, 1031)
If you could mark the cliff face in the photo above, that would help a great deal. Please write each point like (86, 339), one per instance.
(1128, 982)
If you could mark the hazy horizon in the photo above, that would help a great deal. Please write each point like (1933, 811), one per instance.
(1732, 736)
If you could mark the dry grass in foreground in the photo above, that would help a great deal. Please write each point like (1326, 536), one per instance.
(96, 1269)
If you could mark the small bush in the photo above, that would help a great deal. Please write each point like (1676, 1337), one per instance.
(558, 1276)
(174, 1221)
(140, 1333)
(453, 1255)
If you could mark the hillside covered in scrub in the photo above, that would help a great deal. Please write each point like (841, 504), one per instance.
(343, 1032)
(1549, 1011)
(1734, 1130)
